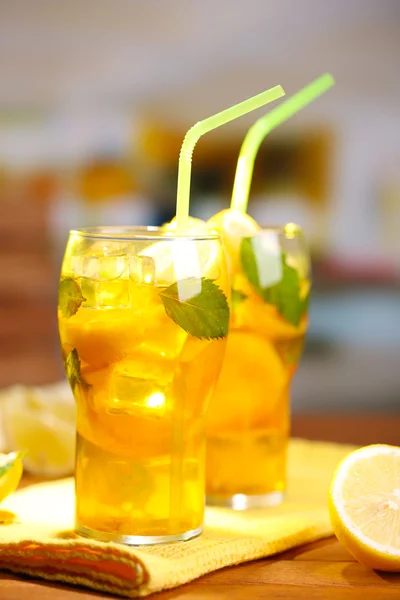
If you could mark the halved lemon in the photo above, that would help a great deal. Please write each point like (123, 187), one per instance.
(10, 473)
(41, 422)
(364, 506)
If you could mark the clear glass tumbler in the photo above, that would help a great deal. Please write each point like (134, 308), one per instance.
(143, 320)
(249, 413)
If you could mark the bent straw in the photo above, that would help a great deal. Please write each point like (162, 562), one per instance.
(182, 214)
(199, 129)
(258, 131)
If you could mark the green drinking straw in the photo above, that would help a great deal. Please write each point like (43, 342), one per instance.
(199, 129)
(182, 214)
(258, 131)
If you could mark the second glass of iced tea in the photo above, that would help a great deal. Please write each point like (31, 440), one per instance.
(143, 319)
(249, 414)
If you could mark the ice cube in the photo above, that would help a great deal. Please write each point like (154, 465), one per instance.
(102, 268)
(141, 388)
(267, 252)
(187, 268)
(164, 263)
(188, 288)
(142, 269)
(104, 280)
(114, 293)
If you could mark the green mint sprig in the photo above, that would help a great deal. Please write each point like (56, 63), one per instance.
(70, 297)
(285, 294)
(73, 369)
(205, 315)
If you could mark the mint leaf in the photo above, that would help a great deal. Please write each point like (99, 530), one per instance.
(70, 297)
(73, 368)
(285, 294)
(237, 297)
(249, 263)
(205, 315)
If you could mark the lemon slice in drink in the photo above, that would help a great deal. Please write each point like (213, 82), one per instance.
(41, 422)
(364, 505)
(10, 473)
(233, 225)
(194, 225)
(182, 257)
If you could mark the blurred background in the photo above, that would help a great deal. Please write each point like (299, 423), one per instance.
(95, 98)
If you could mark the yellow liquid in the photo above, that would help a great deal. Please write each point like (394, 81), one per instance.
(141, 406)
(129, 496)
(249, 413)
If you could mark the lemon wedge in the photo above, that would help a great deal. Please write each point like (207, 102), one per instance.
(364, 506)
(41, 422)
(10, 473)
(233, 225)
(182, 257)
(194, 225)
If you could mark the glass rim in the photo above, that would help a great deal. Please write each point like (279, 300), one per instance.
(139, 233)
(289, 230)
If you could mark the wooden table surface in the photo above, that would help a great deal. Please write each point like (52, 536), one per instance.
(319, 571)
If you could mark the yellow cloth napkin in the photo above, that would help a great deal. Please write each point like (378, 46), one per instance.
(41, 542)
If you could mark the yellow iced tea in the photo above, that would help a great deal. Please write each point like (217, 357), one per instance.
(142, 377)
(249, 413)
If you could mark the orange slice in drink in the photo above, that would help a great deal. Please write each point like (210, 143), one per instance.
(134, 428)
(251, 384)
(254, 314)
(102, 337)
(364, 505)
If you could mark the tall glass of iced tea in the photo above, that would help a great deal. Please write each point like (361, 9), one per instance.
(249, 413)
(143, 320)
